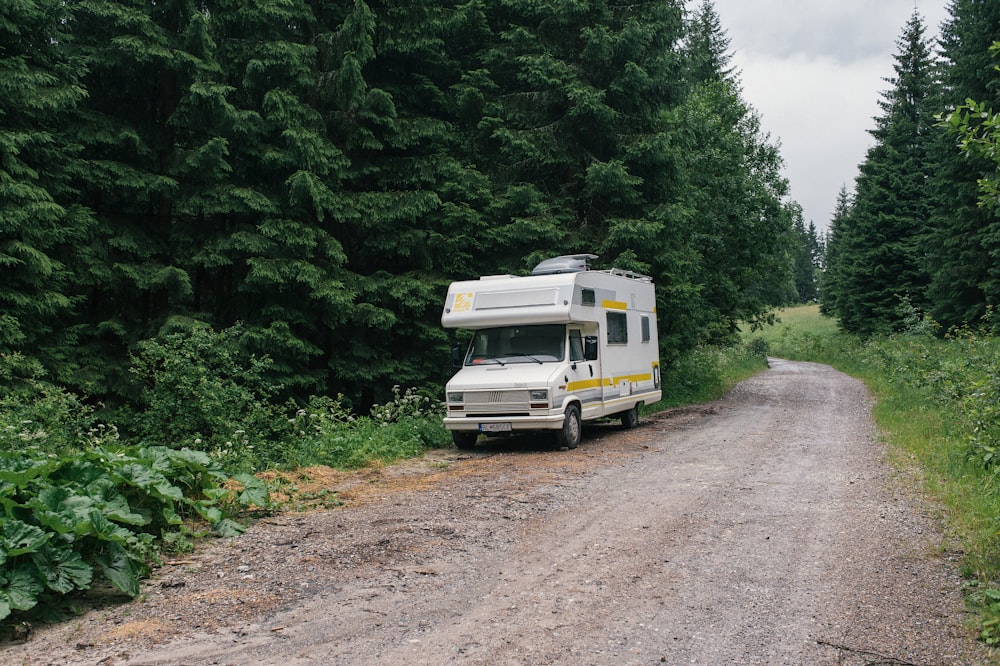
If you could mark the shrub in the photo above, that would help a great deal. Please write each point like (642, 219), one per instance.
(197, 389)
(326, 432)
(35, 414)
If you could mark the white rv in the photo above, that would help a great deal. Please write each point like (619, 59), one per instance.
(564, 345)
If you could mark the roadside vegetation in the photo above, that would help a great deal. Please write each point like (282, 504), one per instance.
(938, 407)
(94, 497)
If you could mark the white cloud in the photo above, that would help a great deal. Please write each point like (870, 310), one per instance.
(820, 110)
(814, 70)
(847, 30)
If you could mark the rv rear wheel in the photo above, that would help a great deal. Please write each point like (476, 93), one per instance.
(464, 439)
(630, 418)
(569, 435)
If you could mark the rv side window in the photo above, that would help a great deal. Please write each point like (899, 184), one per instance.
(576, 346)
(617, 329)
(645, 329)
(587, 297)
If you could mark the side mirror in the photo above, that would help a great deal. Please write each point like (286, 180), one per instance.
(457, 356)
(590, 348)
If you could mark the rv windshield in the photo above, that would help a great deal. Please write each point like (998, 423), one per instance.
(518, 344)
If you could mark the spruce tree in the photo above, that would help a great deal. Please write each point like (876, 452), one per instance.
(964, 247)
(572, 101)
(806, 257)
(272, 255)
(883, 264)
(830, 287)
(141, 63)
(412, 199)
(43, 229)
(707, 47)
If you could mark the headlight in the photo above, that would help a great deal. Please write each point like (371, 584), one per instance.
(539, 396)
(456, 396)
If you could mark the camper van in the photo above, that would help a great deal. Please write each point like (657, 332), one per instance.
(551, 350)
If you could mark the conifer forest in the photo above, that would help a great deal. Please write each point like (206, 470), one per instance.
(299, 181)
(305, 178)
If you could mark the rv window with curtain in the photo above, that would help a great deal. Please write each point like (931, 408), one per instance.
(645, 329)
(617, 328)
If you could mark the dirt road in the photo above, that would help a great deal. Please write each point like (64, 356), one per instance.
(765, 528)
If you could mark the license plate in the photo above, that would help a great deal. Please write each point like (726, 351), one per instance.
(494, 427)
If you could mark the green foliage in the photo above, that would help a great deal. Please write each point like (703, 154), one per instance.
(807, 256)
(36, 414)
(199, 389)
(962, 245)
(96, 513)
(978, 128)
(326, 432)
(985, 600)
(320, 173)
(706, 373)
(43, 230)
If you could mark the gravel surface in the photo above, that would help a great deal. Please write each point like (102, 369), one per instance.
(764, 528)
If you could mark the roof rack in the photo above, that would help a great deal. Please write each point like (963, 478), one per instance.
(629, 274)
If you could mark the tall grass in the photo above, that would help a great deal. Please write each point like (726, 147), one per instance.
(938, 409)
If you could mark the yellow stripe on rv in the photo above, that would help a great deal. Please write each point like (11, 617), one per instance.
(609, 381)
(583, 384)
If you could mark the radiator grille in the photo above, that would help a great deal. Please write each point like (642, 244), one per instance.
(496, 402)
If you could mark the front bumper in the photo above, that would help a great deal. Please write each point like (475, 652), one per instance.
(517, 423)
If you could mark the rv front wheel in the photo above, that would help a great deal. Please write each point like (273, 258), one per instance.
(464, 439)
(569, 436)
(630, 418)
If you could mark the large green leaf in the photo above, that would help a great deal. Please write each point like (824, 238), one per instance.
(106, 530)
(22, 588)
(20, 538)
(19, 470)
(63, 569)
(208, 511)
(228, 528)
(113, 504)
(149, 481)
(123, 571)
(61, 510)
(254, 491)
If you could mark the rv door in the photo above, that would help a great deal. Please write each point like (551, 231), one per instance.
(585, 369)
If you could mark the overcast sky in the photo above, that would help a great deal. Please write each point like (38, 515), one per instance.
(814, 70)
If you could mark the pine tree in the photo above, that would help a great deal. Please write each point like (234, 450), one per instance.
(806, 257)
(42, 227)
(964, 247)
(883, 263)
(707, 47)
(830, 285)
